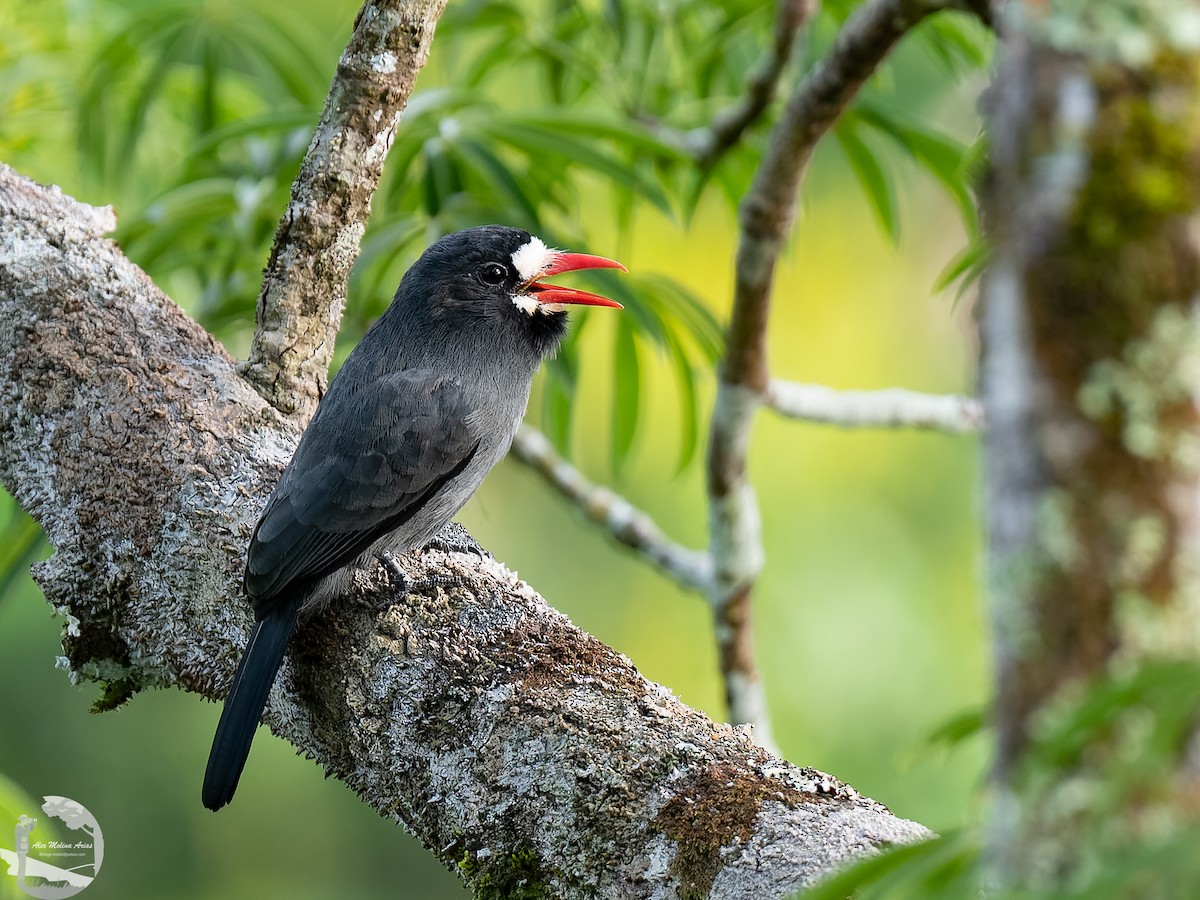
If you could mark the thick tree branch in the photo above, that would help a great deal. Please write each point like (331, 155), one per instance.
(891, 408)
(515, 746)
(767, 213)
(626, 523)
(304, 287)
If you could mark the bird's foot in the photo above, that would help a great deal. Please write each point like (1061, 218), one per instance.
(404, 585)
(455, 539)
(400, 581)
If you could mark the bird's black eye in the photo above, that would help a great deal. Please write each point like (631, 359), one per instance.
(493, 273)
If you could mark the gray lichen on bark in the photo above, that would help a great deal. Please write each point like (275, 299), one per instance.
(512, 744)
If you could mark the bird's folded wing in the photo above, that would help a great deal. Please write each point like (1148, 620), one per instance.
(359, 476)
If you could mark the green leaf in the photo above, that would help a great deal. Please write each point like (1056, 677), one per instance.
(20, 542)
(687, 311)
(170, 55)
(1171, 689)
(501, 176)
(595, 124)
(626, 393)
(195, 52)
(536, 141)
(556, 415)
(958, 728)
(559, 389)
(441, 179)
(689, 407)
(169, 222)
(871, 177)
(375, 273)
(968, 264)
(847, 882)
(286, 47)
(962, 42)
(488, 62)
(942, 156)
(944, 868)
(276, 123)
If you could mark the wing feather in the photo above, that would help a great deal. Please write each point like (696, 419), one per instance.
(359, 475)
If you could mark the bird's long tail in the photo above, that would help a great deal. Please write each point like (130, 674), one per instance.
(245, 703)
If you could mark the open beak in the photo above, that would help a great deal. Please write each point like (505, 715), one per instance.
(570, 262)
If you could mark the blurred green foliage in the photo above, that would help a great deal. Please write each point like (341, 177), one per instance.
(571, 120)
(1107, 836)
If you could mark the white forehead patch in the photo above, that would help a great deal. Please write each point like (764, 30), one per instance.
(532, 258)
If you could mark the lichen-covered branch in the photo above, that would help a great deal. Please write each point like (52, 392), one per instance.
(766, 217)
(519, 749)
(626, 523)
(304, 287)
(889, 408)
(1089, 378)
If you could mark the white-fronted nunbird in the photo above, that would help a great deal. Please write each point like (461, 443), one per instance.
(420, 411)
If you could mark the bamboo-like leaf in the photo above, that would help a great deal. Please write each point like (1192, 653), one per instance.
(683, 307)
(209, 46)
(289, 51)
(689, 407)
(556, 415)
(274, 124)
(19, 543)
(943, 868)
(502, 177)
(558, 390)
(941, 155)
(538, 141)
(171, 218)
(169, 56)
(626, 393)
(440, 180)
(488, 61)
(968, 264)
(958, 728)
(871, 177)
(386, 242)
(595, 124)
(961, 42)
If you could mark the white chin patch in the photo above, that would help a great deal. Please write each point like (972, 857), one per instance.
(532, 258)
(529, 306)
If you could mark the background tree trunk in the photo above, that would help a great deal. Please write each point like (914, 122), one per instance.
(1090, 378)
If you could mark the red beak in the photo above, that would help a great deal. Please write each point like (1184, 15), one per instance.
(570, 262)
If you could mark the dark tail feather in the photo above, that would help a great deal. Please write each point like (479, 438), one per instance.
(244, 705)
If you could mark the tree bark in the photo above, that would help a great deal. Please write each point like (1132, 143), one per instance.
(1089, 378)
(520, 750)
(304, 287)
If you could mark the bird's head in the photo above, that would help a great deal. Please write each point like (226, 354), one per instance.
(494, 274)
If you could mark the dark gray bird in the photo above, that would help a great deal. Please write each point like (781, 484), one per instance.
(419, 413)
